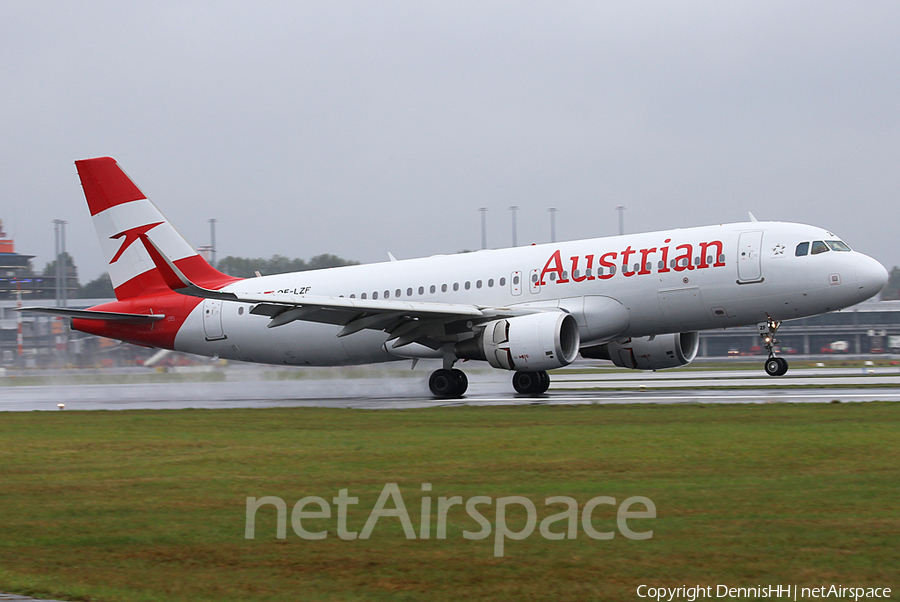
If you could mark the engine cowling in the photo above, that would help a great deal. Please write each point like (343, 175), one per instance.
(648, 353)
(540, 341)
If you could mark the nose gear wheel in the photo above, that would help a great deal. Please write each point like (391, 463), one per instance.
(775, 366)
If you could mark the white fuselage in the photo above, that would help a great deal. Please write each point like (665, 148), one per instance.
(674, 281)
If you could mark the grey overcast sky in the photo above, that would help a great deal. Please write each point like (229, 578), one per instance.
(358, 128)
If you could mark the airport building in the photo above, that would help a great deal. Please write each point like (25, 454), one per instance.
(868, 328)
(17, 276)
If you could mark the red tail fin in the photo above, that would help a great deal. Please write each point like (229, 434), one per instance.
(122, 214)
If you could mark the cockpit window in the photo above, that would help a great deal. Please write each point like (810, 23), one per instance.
(837, 245)
(802, 249)
(818, 247)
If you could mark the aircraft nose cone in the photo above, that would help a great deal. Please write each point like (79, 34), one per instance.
(871, 277)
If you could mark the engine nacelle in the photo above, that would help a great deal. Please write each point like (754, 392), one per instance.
(540, 341)
(649, 353)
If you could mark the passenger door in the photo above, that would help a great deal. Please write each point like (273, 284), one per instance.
(212, 320)
(748, 260)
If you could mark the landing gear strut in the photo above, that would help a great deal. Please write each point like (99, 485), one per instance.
(775, 366)
(531, 383)
(448, 383)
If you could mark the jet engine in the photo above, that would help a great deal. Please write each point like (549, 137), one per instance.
(531, 343)
(648, 353)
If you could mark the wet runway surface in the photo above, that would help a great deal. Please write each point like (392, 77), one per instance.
(15, 598)
(246, 390)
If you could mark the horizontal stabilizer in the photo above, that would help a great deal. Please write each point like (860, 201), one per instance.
(87, 314)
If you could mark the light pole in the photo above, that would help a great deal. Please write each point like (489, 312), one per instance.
(212, 242)
(65, 263)
(621, 210)
(483, 211)
(61, 272)
(56, 266)
(513, 209)
(552, 211)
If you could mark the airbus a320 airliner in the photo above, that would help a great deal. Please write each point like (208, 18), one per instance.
(637, 300)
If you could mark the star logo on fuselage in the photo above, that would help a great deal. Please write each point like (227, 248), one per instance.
(131, 235)
(779, 249)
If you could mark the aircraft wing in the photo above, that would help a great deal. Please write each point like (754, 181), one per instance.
(431, 324)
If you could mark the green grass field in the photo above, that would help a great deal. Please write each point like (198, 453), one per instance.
(150, 505)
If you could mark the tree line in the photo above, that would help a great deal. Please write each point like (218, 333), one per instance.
(244, 267)
(891, 290)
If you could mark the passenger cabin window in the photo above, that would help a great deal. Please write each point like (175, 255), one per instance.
(802, 249)
(818, 247)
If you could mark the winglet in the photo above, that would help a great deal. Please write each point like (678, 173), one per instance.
(175, 278)
(172, 276)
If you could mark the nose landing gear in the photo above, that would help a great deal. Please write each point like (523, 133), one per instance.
(775, 366)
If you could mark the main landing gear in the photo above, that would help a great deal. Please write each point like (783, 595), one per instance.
(775, 366)
(450, 383)
(531, 383)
